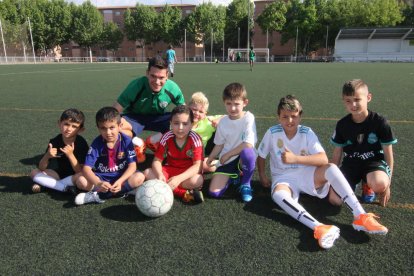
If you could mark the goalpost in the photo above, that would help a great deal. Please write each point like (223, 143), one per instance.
(262, 54)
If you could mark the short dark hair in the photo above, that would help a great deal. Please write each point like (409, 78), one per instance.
(157, 62)
(234, 91)
(107, 113)
(73, 115)
(182, 109)
(349, 87)
(289, 103)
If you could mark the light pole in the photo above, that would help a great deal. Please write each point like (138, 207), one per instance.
(248, 24)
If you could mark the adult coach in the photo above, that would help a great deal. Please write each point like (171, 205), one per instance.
(171, 59)
(144, 101)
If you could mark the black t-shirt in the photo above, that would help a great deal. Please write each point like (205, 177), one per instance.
(363, 141)
(64, 168)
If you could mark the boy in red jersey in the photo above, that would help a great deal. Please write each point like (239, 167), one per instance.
(182, 150)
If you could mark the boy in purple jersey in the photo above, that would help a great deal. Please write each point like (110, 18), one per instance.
(364, 139)
(110, 164)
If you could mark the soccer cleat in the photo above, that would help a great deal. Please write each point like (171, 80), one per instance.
(152, 142)
(139, 147)
(368, 195)
(36, 188)
(246, 192)
(326, 235)
(89, 197)
(368, 223)
(193, 196)
(72, 190)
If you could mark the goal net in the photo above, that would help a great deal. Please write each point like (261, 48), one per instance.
(14, 42)
(242, 54)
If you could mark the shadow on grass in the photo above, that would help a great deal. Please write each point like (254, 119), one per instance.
(16, 184)
(31, 160)
(321, 209)
(124, 213)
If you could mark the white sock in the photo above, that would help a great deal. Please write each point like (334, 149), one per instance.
(49, 182)
(294, 209)
(343, 189)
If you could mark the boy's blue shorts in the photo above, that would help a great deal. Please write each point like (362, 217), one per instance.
(160, 123)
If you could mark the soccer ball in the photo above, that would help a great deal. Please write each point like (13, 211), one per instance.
(154, 198)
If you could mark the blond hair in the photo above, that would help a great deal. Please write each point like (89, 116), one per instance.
(199, 98)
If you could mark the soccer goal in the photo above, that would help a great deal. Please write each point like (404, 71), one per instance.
(242, 54)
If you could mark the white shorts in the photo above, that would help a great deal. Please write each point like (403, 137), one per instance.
(301, 181)
(171, 67)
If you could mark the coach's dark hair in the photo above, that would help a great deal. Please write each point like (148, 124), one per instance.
(351, 86)
(106, 114)
(73, 115)
(182, 109)
(157, 62)
(234, 91)
(289, 103)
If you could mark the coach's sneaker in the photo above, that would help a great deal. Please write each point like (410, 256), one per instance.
(368, 195)
(246, 192)
(152, 142)
(89, 197)
(193, 196)
(139, 147)
(368, 223)
(36, 188)
(326, 235)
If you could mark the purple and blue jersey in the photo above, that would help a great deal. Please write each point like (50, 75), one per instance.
(110, 164)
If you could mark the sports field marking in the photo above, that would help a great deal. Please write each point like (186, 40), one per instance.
(71, 70)
(257, 117)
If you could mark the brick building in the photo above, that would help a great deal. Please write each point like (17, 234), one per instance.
(133, 51)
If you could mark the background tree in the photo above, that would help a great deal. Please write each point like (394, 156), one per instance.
(205, 20)
(169, 25)
(87, 26)
(301, 18)
(236, 24)
(140, 25)
(272, 18)
(111, 37)
(408, 13)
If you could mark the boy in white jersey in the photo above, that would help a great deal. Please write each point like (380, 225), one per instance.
(234, 141)
(299, 164)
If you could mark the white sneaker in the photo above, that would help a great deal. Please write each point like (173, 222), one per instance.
(88, 197)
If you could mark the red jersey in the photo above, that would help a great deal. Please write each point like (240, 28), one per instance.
(177, 157)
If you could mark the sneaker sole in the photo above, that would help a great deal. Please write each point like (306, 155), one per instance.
(329, 238)
(362, 228)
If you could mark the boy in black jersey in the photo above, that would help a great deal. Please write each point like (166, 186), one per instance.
(364, 139)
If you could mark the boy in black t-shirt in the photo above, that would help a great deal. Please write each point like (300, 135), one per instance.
(364, 139)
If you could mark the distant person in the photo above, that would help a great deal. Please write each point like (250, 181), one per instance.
(144, 101)
(234, 141)
(238, 56)
(68, 149)
(110, 165)
(252, 57)
(364, 139)
(171, 59)
(179, 158)
(299, 164)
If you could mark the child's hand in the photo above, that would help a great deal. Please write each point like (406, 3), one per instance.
(173, 182)
(116, 187)
(265, 182)
(68, 149)
(104, 186)
(52, 151)
(385, 197)
(224, 158)
(288, 157)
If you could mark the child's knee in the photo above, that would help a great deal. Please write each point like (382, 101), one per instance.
(34, 172)
(136, 179)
